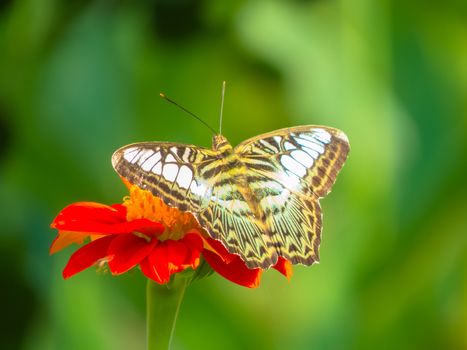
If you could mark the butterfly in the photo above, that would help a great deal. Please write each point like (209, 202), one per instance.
(260, 199)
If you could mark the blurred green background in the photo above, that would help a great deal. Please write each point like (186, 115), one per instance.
(79, 79)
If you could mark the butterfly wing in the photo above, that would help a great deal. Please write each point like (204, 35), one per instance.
(289, 170)
(199, 180)
(169, 171)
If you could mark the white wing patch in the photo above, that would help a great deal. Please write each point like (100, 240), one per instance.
(322, 135)
(288, 146)
(292, 165)
(157, 169)
(144, 155)
(311, 145)
(303, 158)
(130, 154)
(148, 164)
(185, 176)
(170, 159)
(170, 172)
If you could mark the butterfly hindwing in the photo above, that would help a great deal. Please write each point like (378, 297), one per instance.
(230, 218)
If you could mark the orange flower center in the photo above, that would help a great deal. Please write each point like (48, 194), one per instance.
(143, 204)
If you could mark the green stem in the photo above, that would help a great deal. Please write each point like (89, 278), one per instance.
(163, 303)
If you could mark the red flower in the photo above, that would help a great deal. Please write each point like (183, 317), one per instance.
(144, 231)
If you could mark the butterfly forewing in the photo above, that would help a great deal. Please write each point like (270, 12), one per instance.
(170, 171)
(261, 200)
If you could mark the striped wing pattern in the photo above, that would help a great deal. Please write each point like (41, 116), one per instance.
(259, 199)
(168, 170)
(290, 170)
(231, 218)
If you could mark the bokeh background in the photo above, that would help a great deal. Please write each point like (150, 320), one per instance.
(79, 79)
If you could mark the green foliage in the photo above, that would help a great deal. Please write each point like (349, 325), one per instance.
(79, 80)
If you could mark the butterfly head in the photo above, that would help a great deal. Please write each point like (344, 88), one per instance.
(220, 143)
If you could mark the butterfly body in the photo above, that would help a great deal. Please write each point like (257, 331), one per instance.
(260, 199)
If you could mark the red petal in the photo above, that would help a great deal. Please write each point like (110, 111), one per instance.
(176, 255)
(156, 266)
(233, 267)
(90, 211)
(121, 209)
(127, 251)
(92, 217)
(284, 267)
(147, 269)
(218, 248)
(170, 257)
(194, 243)
(87, 256)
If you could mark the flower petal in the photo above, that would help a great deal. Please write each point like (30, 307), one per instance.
(232, 267)
(90, 217)
(87, 256)
(156, 265)
(169, 257)
(127, 251)
(176, 255)
(148, 270)
(194, 243)
(284, 267)
(211, 244)
(91, 211)
(218, 248)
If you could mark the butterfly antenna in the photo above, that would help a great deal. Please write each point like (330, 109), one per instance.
(187, 111)
(222, 107)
